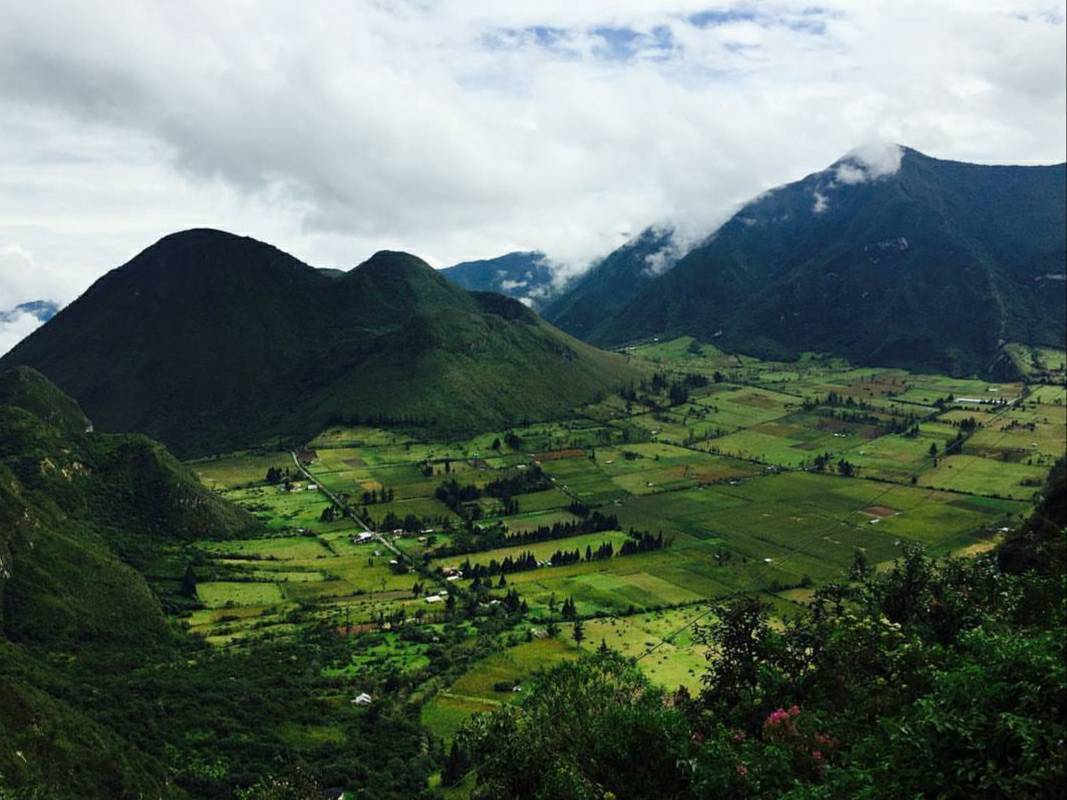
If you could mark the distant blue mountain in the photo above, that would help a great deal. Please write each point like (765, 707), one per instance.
(44, 310)
(590, 301)
(523, 276)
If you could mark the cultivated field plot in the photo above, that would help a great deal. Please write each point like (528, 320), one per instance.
(677, 659)
(297, 509)
(619, 585)
(239, 469)
(663, 640)
(986, 476)
(1033, 434)
(492, 682)
(756, 477)
(787, 527)
(255, 582)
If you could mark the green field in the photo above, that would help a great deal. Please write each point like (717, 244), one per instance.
(767, 478)
(474, 691)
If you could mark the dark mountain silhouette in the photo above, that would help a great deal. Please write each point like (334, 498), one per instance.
(210, 341)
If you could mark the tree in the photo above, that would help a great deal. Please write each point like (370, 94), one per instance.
(739, 642)
(298, 784)
(860, 568)
(189, 581)
(456, 764)
(586, 730)
(578, 634)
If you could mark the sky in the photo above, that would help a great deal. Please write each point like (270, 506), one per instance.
(465, 129)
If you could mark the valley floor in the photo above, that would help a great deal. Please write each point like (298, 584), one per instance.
(718, 475)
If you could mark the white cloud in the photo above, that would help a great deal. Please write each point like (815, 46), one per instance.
(22, 278)
(849, 174)
(465, 129)
(16, 327)
(879, 158)
(821, 203)
(663, 259)
(869, 162)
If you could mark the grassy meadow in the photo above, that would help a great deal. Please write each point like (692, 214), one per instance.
(759, 477)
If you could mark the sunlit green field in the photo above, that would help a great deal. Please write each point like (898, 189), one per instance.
(238, 469)
(474, 692)
(769, 478)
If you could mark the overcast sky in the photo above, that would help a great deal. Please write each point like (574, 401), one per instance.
(462, 129)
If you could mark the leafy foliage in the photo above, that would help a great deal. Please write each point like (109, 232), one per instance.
(576, 736)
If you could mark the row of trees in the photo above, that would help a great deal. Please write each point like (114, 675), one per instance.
(521, 481)
(374, 496)
(639, 542)
(472, 541)
(825, 461)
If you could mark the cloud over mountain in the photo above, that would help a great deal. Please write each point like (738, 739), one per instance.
(468, 129)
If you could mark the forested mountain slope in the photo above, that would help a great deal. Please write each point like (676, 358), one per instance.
(900, 260)
(209, 341)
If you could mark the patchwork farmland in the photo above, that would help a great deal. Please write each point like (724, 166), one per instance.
(717, 475)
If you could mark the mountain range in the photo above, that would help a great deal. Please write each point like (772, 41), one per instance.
(900, 260)
(522, 275)
(594, 298)
(209, 341)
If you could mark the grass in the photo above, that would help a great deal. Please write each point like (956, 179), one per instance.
(220, 594)
(663, 640)
(475, 690)
(280, 510)
(986, 476)
(275, 548)
(239, 469)
(721, 476)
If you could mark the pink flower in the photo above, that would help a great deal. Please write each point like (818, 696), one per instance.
(738, 737)
(817, 755)
(698, 737)
(742, 770)
(776, 718)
